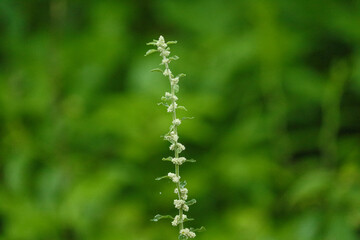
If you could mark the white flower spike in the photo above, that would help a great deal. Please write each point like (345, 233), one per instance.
(170, 100)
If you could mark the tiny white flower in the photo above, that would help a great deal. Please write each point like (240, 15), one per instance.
(168, 95)
(161, 39)
(184, 190)
(178, 161)
(165, 61)
(174, 97)
(172, 137)
(182, 147)
(172, 147)
(179, 203)
(187, 233)
(165, 53)
(183, 194)
(172, 107)
(174, 81)
(178, 146)
(176, 122)
(167, 72)
(177, 220)
(173, 177)
(161, 42)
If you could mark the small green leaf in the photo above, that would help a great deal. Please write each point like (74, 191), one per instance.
(160, 178)
(182, 108)
(181, 75)
(174, 58)
(167, 159)
(188, 219)
(187, 118)
(191, 202)
(183, 184)
(190, 160)
(158, 217)
(202, 229)
(164, 104)
(156, 70)
(171, 42)
(152, 43)
(150, 52)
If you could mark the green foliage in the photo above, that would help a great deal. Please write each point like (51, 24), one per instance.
(274, 86)
(160, 178)
(150, 51)
(191, 202)
(157, 70)
(202, 229)
(158, 217)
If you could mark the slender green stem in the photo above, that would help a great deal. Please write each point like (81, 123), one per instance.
(177, 167)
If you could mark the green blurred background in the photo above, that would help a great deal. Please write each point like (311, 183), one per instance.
(274, 87)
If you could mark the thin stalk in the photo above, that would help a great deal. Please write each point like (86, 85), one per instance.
(176, 155)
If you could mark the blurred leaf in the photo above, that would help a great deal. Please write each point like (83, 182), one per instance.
(310, 186)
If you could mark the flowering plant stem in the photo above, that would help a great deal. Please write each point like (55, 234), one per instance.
(177, 167)
(169, 100)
